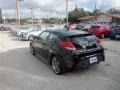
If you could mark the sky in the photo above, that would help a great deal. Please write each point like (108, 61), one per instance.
(52, 8)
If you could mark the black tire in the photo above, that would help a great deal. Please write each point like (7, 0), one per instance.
(111, 38)
(58, 66)
(32, 50)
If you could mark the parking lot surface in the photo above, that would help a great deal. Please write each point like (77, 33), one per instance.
(19, 70)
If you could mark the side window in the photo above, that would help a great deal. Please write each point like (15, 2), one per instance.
(53, 36)
(44, 35)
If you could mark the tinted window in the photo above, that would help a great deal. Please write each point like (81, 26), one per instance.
(77, 39)
(58, 37)
(44, 35)
(95, 27)
(87, 27)
(53, 36)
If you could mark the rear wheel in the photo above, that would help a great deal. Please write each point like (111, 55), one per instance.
(57, 66)
(112, 37)
(32, 50)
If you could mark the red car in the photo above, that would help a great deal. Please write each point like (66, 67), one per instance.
(101, 31)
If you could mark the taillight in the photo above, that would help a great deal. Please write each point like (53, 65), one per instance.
(67, 45)
(99, 41)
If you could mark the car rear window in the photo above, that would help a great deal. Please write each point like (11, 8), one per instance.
(79, 41)
(85, 37)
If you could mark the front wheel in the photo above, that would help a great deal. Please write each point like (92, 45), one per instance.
(32, 50)
(112, 37)
(57, 66)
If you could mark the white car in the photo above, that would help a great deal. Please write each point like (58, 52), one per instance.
(14, 30)
(56, 27)
(29, 35)
(19, 32)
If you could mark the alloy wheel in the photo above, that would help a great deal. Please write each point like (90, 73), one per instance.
(32, 50)
(56, 65)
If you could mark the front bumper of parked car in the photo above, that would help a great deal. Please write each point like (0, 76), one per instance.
(24, 36)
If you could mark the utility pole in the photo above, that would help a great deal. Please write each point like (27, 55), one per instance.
(17, 13)
(67, 13)
(76, 3)
(95, 5)
(57, 13)
(32, 17)
(5, 17)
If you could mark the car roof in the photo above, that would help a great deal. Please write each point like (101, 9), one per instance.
(65, 32)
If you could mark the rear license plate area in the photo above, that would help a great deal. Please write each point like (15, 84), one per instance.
(93, 60)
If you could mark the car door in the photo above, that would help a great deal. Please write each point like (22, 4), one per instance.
(41, 44)
(49, 45)
(94, 30)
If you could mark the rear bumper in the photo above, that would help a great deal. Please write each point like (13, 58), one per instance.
(115, 36)
(84, 59)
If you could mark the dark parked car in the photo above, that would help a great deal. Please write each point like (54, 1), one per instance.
(115, 33)
(79, 27)
(101, 31)
(65, 50)
(86, 28)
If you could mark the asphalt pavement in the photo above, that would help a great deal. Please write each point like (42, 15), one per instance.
(19, 70)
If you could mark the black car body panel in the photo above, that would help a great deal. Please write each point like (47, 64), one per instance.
(80, 57)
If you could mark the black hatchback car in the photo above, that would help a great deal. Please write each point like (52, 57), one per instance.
(65, 50)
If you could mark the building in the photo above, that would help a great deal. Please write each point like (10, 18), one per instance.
(102, 18)
(1, 19)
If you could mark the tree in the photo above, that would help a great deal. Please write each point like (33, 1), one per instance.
(96, 12)
(113, 11)
(74, 14)
(52, 20)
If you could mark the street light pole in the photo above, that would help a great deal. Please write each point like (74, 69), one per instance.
(17, 13)
(67, 13)
(32, 16)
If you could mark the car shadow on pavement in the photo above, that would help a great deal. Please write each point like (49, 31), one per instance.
(14, 37)
(19, 68)
(10, 34)
(17, 39)
(21, 59)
